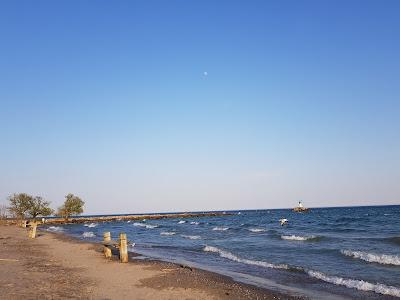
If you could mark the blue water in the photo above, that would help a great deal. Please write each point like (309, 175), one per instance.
(337, 253)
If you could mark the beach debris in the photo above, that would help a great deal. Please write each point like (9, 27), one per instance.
(186, 267)
(283, 221)
(9, 259)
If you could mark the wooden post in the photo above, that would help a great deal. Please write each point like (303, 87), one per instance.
(107, 250)
(123, 248)
(32, 230)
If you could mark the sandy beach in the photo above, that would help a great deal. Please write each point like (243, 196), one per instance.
(54, 266)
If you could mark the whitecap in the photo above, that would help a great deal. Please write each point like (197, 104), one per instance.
(220, 228)
(148, 226)
(195, 223)
(383, 259)
(88, 234)
(181, 222)
(191, 237)
(256, 229)
(91, 225)
(55, 228)
(231, 256)
(297, 238)
(357, 284)
(167, 233)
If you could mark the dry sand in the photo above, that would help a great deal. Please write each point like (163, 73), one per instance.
(54, 266)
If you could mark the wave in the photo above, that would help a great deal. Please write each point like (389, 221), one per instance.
(349, 283)
(195, 223)
(55, 229)
(220, 228)
(181, 222)
(167, 233)
(298, 238)
(91, 225)
(383, 259)
(148, 226)
(191, 237)
(357, 284)
(231, 256)
(88, 234)
(257, 229)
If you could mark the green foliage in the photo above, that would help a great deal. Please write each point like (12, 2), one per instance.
(23, 205)
(73, 205)
(39, 207)
(19, 204)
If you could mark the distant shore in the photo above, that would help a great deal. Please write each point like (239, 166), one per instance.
(58, 266)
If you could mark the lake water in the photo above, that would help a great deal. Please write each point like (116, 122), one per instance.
(330, 253)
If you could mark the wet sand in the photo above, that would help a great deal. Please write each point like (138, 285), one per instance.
(54, 266)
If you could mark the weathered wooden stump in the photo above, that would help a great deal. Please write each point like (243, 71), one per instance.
(123, 248)
(107, 241)
(32, 230)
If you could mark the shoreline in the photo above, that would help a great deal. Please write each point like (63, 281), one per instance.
(86, 274)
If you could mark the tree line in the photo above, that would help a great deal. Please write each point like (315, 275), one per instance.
(24, 206)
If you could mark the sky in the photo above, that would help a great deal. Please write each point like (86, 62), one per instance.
(159, 106)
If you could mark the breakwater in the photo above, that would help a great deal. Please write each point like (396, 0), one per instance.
(95, 219)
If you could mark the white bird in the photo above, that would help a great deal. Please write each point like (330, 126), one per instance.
(283, 221)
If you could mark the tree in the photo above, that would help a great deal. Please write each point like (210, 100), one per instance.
(19, 204)
(73, 205)
(39, 207)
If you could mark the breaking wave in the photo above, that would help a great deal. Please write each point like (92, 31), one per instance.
(55, 228)
(167, 233)
(191, 237)
(230, 256)
(257, 229)
(383, 259)
(181, 222)
(148, 226)
(298, 238)
(91, 225)
(357, 284)
(88, 234)
(195, 223)
(220, 228)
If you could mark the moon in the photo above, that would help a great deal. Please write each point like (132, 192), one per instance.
(205, 73)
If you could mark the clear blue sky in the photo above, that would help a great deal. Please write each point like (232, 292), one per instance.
(141, 106)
